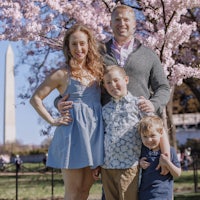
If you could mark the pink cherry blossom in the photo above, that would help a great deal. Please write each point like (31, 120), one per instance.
(45, 22)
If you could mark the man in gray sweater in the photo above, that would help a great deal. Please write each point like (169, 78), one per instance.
(146, 74)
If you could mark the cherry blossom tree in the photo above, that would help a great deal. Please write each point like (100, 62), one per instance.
(41, 25)
(165, 33)
(46, 21)
(189, 52)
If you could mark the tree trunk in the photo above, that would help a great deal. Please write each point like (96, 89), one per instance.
(169, 121)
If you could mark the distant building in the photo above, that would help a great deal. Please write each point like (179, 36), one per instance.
(186, 119)
(9, 135)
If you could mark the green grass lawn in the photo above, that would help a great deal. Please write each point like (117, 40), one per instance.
(32, 185)
(184, 188)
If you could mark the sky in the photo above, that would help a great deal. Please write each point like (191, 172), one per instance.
(27, 120)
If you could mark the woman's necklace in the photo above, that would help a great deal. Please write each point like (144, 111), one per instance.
(86, 78)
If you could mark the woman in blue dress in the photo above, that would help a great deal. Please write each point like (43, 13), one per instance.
(77, 147)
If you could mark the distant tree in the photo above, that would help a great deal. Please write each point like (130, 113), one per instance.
(46, 142)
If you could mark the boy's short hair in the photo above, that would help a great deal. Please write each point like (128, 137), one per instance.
(149, 123)
(109, 68)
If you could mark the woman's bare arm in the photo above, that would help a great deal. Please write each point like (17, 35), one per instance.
(54, 81)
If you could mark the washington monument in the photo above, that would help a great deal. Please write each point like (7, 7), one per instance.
(9, 135)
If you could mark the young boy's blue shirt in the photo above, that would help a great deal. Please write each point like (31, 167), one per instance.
(122, 142)
(155, 186)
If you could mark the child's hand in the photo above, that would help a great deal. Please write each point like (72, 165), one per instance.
(96, 172)
(163, 162)
(143, 163)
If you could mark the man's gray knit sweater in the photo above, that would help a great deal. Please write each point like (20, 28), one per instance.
(146, 75)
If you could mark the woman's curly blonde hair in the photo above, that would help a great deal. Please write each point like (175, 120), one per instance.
(94, 62)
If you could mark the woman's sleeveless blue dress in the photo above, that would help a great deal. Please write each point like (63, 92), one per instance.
(80, 144)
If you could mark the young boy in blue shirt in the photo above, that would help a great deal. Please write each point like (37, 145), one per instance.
(153, 185)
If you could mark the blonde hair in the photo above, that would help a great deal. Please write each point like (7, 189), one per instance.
(123, 8)
(110, 68)
(149, 124)
(94, 62)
